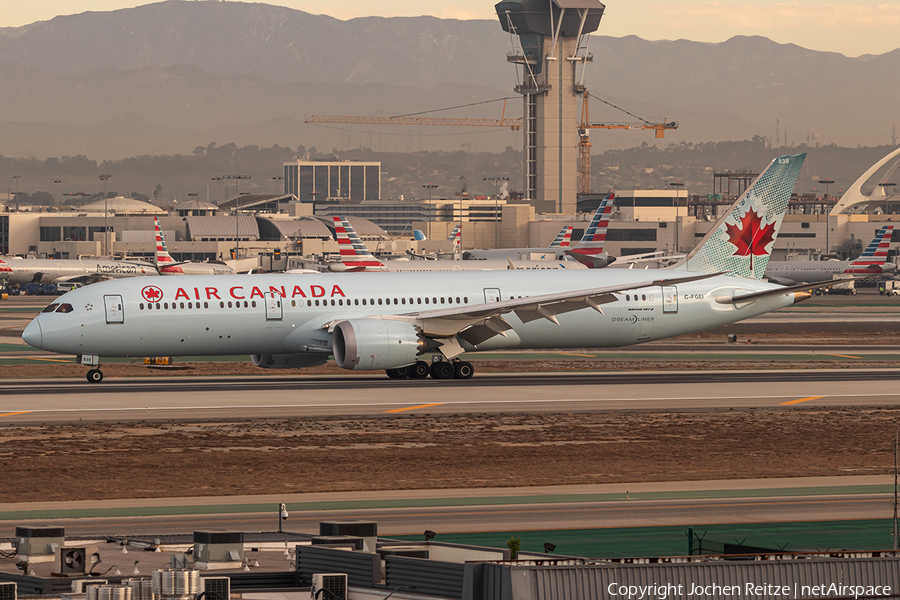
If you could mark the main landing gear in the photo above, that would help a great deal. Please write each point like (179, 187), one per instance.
(458, 369)
(95, 376)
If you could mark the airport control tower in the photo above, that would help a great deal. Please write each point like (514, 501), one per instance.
(550, 44)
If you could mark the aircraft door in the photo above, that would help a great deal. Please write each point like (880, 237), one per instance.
(670, 299)
(274, 306)
(114, 310)
(491, 295)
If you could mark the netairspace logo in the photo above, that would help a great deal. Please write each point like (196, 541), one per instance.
(748, 590)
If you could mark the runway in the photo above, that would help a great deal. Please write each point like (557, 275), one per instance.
(69, 400)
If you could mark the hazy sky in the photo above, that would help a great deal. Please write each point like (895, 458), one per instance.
(851, 28)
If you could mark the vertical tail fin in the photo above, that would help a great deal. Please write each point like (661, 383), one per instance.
(162, 255)
(589, 250)
(563, 238)
(456, 237)
(355, 256)
(875, 256)
(741, 241)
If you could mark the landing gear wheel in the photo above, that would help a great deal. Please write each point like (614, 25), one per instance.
(441, 370)
(401, 373)
(463, 370)
(95, 376)
(419, 370)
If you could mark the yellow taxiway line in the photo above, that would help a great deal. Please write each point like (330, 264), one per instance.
(396, 410)
(799, 400)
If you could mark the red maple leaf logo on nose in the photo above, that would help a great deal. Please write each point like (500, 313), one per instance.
(750, 236)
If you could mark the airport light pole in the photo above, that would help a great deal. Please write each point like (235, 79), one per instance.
(17, 177)
(237, 209)
(429, 187)
(57, 181)
(106, 177)
(496, 181)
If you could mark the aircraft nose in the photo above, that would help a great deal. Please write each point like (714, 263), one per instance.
(32, 334)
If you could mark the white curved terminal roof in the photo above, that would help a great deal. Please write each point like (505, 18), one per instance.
(854, 196)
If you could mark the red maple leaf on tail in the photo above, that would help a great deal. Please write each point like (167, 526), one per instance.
(750, 236)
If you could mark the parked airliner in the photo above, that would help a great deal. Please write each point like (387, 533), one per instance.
(873, 261)
(391, 321)
(356, 258)
(71, 270)
(591, 245)
(168, 266)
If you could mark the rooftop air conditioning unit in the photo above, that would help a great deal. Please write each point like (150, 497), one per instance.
(216, 588)
(328, 586)
(7, 590)
(79, 586)
(75, 559)
(39, 544)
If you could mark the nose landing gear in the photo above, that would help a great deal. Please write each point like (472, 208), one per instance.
(92, 361)
(95, 376)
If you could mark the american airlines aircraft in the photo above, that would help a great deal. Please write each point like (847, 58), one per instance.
(167, 265)
(590, 254)
(390, 321)
(356, 257)
(873, 261)
(71, 270)
(563, 238)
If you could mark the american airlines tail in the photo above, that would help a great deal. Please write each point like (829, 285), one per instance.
(563, 238)
(354, 254)
(741, 241)
(164, 261)
(590, 249)
(456, 237)
(874, 257)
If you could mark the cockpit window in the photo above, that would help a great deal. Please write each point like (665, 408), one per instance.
(50, 308)
(65, 308)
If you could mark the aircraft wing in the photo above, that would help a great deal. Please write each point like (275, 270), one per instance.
(480, 322)
(83, 278)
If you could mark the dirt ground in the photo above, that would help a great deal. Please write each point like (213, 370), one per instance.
(132, 460)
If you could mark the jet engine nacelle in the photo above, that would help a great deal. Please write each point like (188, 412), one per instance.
(288, 361)
(370, 344)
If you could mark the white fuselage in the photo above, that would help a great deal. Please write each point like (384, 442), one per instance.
(230, 314)
(49, 270)
(192, 268)
(804, 271)
(473, 265)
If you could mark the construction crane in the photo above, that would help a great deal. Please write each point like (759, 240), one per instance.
(584, 142)
(514, 124)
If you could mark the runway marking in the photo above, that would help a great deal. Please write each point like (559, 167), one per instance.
(844, 356)
(59, 360)
(799, 400)
(574, 354)
(9, 414)
(449, 403)
(396, 410)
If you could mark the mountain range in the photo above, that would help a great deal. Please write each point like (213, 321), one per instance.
(171, 76)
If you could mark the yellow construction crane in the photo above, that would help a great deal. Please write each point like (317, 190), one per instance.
(584, 142)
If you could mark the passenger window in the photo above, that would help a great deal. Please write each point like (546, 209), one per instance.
(190, 305)
(395, 301)
(627, 297)
(50, 308)
(457, 300)
(293, 303)
(157, 306)
(229, 304)
(141, 305)
(222, 304)
(404, 301)
(317, 302)
(332, 301)
(643, 296)
(356, 301)
(182, 305)
(165, 305)
(246, 304)
(149, 306)
(426, 300)
(379, 302)
(442, 299)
